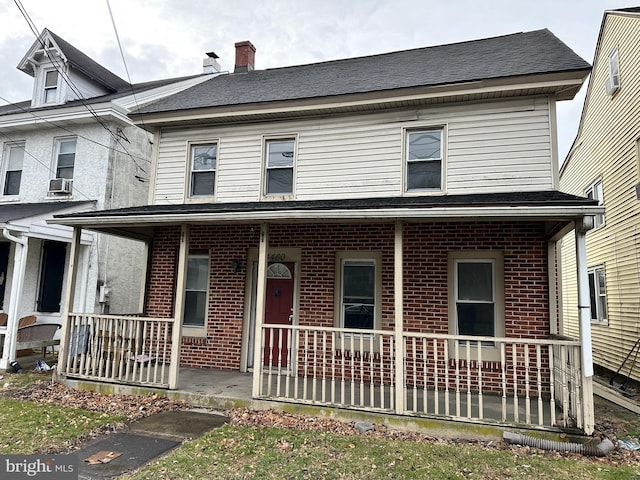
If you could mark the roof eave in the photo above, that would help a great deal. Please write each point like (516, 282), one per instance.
(563, 85)
(541, 213)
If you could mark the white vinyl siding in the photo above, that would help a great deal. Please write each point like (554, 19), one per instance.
(606, 148)
(497, 146)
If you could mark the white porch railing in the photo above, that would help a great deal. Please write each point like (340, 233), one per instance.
(122, 349)
(444, 375)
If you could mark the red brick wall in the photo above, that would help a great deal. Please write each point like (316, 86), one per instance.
(426, 249)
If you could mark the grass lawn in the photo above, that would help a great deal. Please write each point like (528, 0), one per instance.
(30, 427)
(274, 453)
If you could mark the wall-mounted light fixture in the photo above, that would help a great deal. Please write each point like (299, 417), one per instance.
(236, 266)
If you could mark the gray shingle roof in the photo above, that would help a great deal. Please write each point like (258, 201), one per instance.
(536, 52)
(89, 67)
(17, 211)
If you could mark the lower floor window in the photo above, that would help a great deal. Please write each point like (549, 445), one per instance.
(195, 298)
(597, 295)
(477, 295)
(358, 287)
(358, 293)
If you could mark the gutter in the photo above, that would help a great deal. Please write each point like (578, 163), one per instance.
(386, 214)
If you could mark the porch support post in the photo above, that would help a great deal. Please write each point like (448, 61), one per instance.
(21, 247)
(69, 298)
(260, 309)
(398, 292)
(554, 328)
(584, 317)
(176, 333)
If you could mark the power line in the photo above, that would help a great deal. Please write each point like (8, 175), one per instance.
(126, 68)
(61, 127)
(59, 68)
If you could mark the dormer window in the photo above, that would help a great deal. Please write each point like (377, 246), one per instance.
(51, 87)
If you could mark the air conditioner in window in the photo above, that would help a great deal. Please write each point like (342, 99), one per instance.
(60, 185)
(612, 84)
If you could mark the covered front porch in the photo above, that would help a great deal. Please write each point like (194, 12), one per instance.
(413, 358)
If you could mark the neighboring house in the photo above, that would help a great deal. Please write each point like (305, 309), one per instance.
(372, 233)
(70, 148)
(604, 164)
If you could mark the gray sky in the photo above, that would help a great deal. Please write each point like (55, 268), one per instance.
(169, 38)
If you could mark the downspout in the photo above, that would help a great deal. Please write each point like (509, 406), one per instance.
(17, 284)
(583, 225)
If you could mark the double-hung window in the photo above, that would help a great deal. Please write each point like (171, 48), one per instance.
(195, 298)
(65, 157)
(358, 290)
(203, 160)
(424, 159)
(13, 159)
(279, 165)
(597, 295)
(477, 303)
(594, 191)
(50, 87)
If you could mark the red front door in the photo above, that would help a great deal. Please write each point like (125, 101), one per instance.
(278, 311)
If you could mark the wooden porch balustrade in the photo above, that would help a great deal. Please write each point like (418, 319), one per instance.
(122, 349)
(533, 382)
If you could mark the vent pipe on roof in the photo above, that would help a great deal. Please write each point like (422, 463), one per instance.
(245, 57)
(210, 64)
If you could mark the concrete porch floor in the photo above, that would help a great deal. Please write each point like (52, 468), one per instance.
(223, 390)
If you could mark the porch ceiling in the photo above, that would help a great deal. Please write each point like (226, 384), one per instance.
(558, 210)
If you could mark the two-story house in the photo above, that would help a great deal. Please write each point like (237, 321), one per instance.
(71, 147)
(373, 233)
(603, 164)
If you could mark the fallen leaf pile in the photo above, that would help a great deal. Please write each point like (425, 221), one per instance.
(133, 407)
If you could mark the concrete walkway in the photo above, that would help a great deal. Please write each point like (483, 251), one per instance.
(143, 441)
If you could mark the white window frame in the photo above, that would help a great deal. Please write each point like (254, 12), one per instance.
(6, 168)
(191, 171)
(596, 191)
(50, 93)
(596, 275)
(194, 330)
(613, 80)
(56, 161)
(490, 350)
(375, 258)
(407, 133)
(266, 168)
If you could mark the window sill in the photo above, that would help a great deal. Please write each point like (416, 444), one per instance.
(278, 198)
(188, 331)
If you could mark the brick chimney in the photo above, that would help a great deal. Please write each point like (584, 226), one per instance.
(245, 57)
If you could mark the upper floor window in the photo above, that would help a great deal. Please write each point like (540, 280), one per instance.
(595, 191)
(279, 163)
(598, 294)
(65, 157)
(203, 169)
(613, 80)
(424, 160)
(12, 169)
(51, 87)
